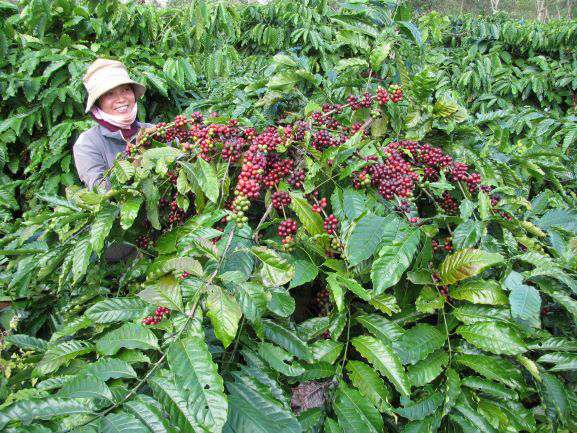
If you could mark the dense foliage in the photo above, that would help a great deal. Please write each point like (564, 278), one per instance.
(346, 219)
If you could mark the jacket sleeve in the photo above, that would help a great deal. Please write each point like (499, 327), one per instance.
(90, 163)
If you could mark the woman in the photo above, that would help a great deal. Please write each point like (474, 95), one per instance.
(112, 102)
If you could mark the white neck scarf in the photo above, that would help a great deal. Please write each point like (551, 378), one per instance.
(123, 121)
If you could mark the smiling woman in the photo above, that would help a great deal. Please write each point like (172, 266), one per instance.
(112, 96)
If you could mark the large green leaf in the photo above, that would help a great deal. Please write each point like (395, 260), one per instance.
(563, 361)
(429, 368)
(354, 203)
(86, 386)
(173, 403)
(205, 175)
(121, 422)
(524, 299)
(61, 354)
(423, 408)
(224, 314)
(326, 350)
(467, 234)
(385, 360)
(305, 272)
(287, 339)
(80, 258)
(152, 198)
(255, 412)
(393, 261)
(366, 235)
(146, 410)
(237, 258)
(370, 384)
(111, 368)
(27, 411)
(116, 310)
(385, 330)
(336, 291)
(191, 362)
(555, 397)
(466, 263)
(276, 271)
(473, 416)
(129, 211)
(355, 413)
(493, 337)
(498, 369)
(129, 336)
(415, 344)
(488, 387)
(280, 360)
(311, 221)
(165, 292)
(480, 292)
(27, 342)
(103, 222)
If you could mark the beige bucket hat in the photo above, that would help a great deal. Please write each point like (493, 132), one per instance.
(103, 75)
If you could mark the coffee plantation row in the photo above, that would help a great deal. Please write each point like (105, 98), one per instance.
(346, 219)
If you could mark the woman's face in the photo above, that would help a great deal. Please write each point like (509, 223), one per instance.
(119, 100)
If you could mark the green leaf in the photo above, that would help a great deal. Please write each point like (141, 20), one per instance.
(467, 234)
(130, 336)
(61, 354)
(191, 362)
(466, 263)
(165, 292)
(355, 413)
(385, 360)
(326, 350)
(493, 337)
(481, 385)
(480, 292)
(370, 384)
(145, 409)
(555, 397)
(281, 302)
(419, 410)
(354, 203)
(305, 272)
(393, 261)
(152, 198)
(566, 218)
(524, 299)
(452, 390)
(428, 369)
(129, 211)
(331, 426)
(336, 291)
(415, 344)
(276, 271)
(103, 222)
(279, 360)
(429, 300)
(121, 422)
(237, 258)
(246, 409)
(470, 313)
(123, 170)
(498, 369)
(287, 339)
(311, 221)
(253, 300)
(385, 303)
(564, 299)
(224, 314)
(86, 386)
(26, 411)
(385, 330)
(110, 368)
(27, 342)
(80, 258)
(116, 310)
(473, 416)
(167, 393)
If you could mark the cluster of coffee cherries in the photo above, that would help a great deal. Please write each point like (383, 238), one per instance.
(143, 242)
(287, 227)
(184, 275)
(397, 92)
(447, 246)
(280, 199)
(320, 205)
(331, 224)
(323, 302)
(159, 314)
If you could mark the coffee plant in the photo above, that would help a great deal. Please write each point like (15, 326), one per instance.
(342, 221)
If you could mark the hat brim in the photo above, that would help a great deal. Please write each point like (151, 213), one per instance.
(139, 90)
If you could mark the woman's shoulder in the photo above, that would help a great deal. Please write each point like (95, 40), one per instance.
(88, 137)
